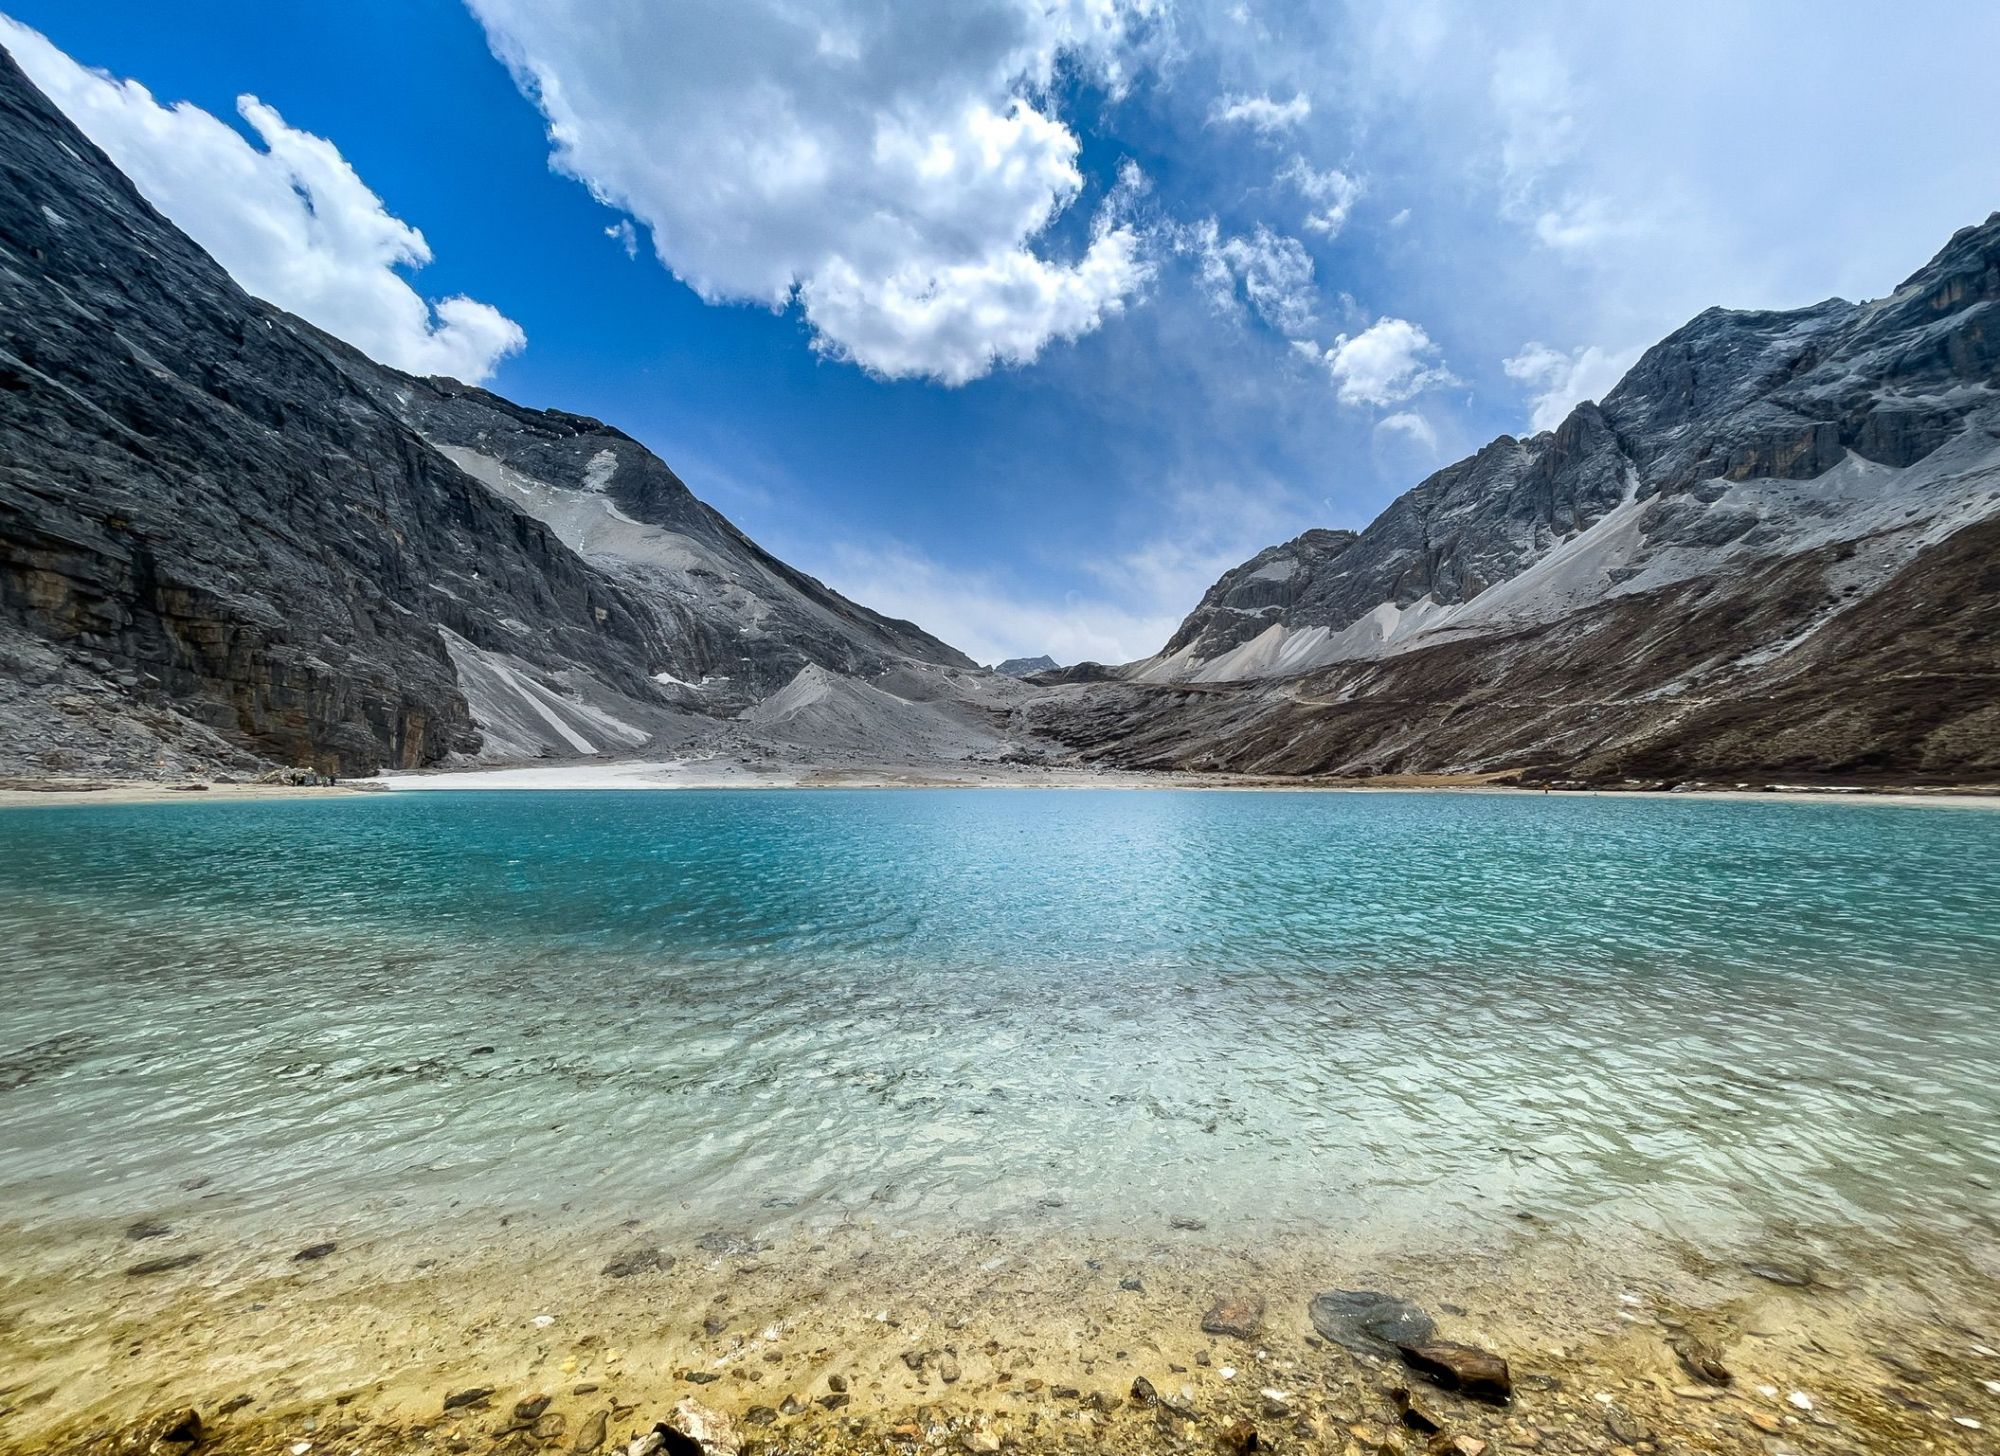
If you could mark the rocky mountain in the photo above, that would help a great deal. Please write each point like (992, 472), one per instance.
(1026, 666)
(229, 539)
(1769, 551)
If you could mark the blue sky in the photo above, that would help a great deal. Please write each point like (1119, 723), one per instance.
(1025, 318)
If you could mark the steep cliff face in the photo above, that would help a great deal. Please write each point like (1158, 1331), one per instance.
(199, 508)
(1769, 552)
(226, 538)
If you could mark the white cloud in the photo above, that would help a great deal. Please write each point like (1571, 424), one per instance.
(1331, 195)
(1563, 381)
(1411, 425)
(625, 235)
(1386, 363)
(892, 168)
(1260, 113)
(1269, 271)
(292, 223)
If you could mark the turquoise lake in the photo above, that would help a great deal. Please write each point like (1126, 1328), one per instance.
(1416, 1017)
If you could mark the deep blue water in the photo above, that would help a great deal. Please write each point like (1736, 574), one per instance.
(1379, 1010)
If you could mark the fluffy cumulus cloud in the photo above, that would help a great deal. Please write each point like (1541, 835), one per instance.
(290, 220)
(1559, 382)
(1268, 271)
(1390, 361)
(894, 169)
(1260, 113)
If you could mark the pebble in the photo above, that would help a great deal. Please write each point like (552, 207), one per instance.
(313, 1251)
(473, 1395)
(1800, 1399)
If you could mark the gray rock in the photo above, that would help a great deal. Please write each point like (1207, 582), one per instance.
(1369, 1321)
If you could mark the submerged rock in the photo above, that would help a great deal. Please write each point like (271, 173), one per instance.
(164, 1265)
(639, 1259)
(1467, 1369)
(591, 1436)
(1239, 1436)
(1369, 1321)
(169, 1433)
(1413, 1413)
(476, 1395)
(1239, 1315)
(1796, 1276)
(312, 1252)
(1702, 1361)
(147, 1228)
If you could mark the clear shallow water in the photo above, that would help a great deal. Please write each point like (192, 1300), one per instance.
(1407, 1017)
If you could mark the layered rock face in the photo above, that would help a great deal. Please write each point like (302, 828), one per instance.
(1769, 552)
(228, 539)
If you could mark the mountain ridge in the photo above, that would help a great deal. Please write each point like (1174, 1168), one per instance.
(228, 539)
(1588, 600)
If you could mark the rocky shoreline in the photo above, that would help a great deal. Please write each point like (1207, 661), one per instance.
(726, 773)
(849, 1340)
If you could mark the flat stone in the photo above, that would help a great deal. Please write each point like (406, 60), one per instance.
(471, 1396)
(1239, 1315)
(1467, 1369)
(1369, 1321)
(591, 1435)
(312, 1252)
